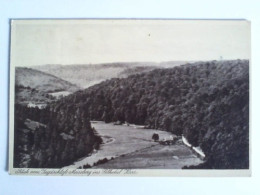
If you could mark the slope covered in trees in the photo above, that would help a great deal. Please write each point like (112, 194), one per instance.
(207, 102)
(46, 139)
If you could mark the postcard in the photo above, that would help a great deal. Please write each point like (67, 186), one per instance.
(129, 97)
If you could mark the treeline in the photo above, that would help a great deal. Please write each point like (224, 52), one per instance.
(207, 102)
(44, 139)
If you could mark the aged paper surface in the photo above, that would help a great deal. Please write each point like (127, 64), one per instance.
(129, 97)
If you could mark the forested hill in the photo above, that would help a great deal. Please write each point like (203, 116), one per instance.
(44, 139)
(36, 87)
(35, 79)
(207, 102)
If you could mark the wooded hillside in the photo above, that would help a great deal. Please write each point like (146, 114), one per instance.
(207, 102)
(44, 139)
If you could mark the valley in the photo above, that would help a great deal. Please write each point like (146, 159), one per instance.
(134, 148)
(206, 102)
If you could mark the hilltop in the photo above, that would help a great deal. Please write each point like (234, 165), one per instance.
(39, 87)
(41, 81)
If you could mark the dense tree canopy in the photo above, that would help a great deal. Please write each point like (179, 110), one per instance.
(46, 139)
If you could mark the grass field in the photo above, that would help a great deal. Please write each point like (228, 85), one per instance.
(128, 147)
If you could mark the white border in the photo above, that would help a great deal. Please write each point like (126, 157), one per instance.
(137, 172)
(129, 9)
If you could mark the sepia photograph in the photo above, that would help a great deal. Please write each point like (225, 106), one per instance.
(129, 97)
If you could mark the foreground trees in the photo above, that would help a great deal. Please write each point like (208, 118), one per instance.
(48, 139)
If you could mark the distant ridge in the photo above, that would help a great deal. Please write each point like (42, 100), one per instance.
(42, 81)
(86, 75)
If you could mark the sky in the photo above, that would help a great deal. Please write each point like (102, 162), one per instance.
(40, 42)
